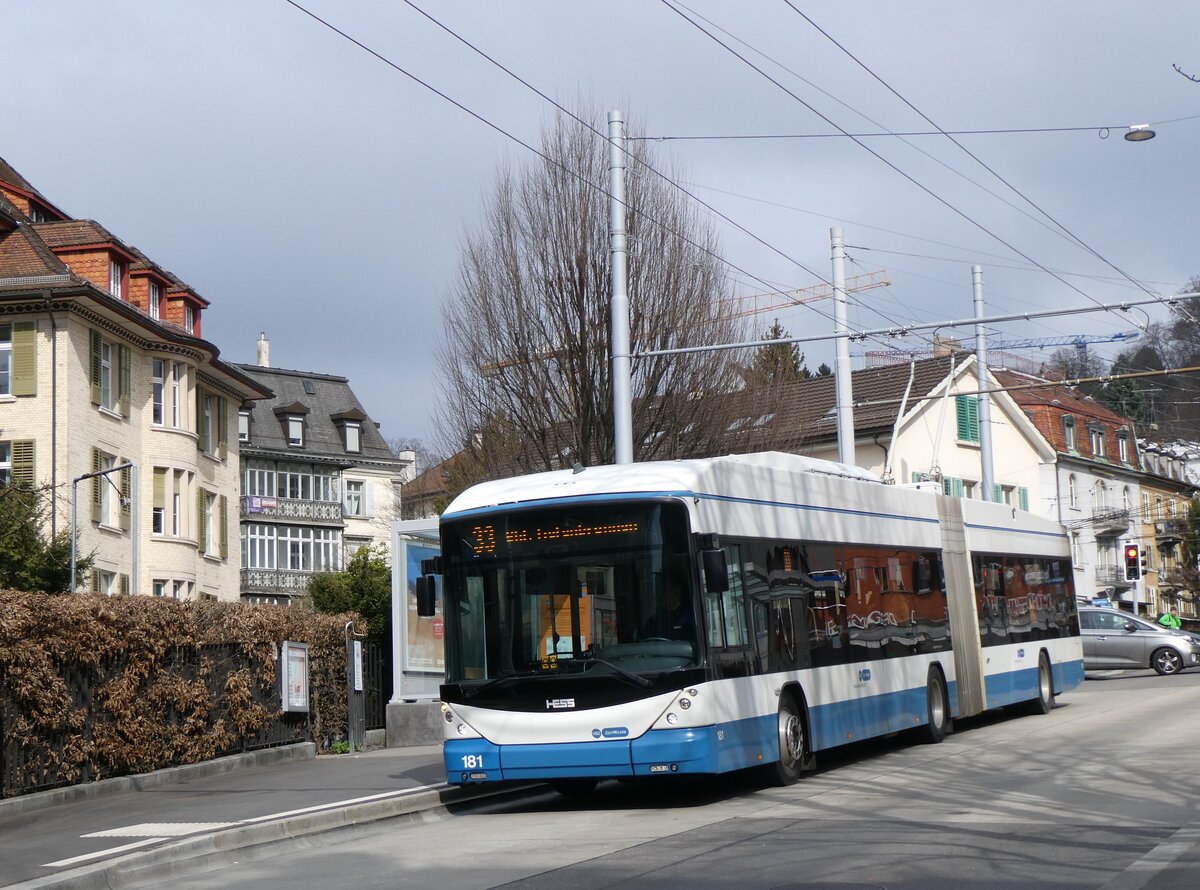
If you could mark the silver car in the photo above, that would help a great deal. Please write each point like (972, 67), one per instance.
(1114, 640)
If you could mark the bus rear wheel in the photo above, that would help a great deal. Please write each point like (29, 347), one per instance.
(937, 708)
(1044, 703)
(792, 741)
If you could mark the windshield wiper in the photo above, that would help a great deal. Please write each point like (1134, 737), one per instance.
(469, 692)
(628, 676)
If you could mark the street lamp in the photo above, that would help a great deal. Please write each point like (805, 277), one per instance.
(1139, 133)
(132, 518)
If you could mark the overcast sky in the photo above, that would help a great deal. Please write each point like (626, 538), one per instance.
(311, 191)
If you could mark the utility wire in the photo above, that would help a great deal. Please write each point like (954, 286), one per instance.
(892, 133)
(525, 83)
(526, 145)
(968, 152)
(876, 154)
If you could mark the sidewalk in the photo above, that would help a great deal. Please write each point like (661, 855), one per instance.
(69, 838)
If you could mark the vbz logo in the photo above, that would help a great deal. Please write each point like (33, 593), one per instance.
(864, 676)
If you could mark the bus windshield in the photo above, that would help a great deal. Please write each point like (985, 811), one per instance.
(569, 589)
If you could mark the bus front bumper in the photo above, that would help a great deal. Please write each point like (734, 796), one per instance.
(658, 752)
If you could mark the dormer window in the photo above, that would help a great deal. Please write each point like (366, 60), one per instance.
(292, 419)
(1069, 433)
(116, 279)
(152, 307)
(349, 424)
(1123, 446)
(189, 319)
(244, 425)
(1097, 433)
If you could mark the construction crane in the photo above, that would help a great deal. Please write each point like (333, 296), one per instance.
(883, 357)
(748, 305)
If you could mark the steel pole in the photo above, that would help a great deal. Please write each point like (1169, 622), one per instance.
(618, 249)
(987, 478)
(841, 367)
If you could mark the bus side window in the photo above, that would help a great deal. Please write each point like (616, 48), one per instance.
(725, 612)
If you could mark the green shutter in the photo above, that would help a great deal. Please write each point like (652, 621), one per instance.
(23, 475)
(997, 493)
(95, 364)
(126, 498)
(966, 410)
(97, 481)
(957, 489)
(24, 358)
(1023, 498)
(224, 527)
(124, 380)
(916, 476)
(95, 580)
(201, 525)
(222, 428)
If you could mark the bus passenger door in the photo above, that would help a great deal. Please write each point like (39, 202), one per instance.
(725, 623)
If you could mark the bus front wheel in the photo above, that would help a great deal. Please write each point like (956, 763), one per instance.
(793, 743)
(937, 708)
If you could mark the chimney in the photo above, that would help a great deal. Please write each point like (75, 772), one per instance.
(264, 350)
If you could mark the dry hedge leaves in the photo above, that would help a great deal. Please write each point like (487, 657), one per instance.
(95, 686)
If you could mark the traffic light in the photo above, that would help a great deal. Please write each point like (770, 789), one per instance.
(1133, 562)
(1145, 559)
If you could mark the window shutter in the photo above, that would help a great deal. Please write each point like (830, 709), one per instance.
(224, 527)
(1023, 498)
(124, 585)
(24, 358)
(160, 487)
(124, 380)
(95, 367)
(997, 493)
(201, 425)
(947, 486)
(126, 499)
(201, 525)
(916, 476)
(97, 481)
(222, 429)
(957, 488)
(961, 416)
(368, 499)
(23, 475)
(95, 581)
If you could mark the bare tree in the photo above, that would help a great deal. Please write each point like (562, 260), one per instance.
(524, 362)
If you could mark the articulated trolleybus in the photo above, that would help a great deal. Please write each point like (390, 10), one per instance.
(702, 616)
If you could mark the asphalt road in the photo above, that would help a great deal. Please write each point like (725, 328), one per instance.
(49, 841)
(1101, 793)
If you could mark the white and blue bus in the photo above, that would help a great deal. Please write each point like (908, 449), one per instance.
(703, 616)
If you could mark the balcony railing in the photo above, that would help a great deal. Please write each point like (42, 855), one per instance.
(275, 581)
(1110, 520)
(254, 506)
(1170, 531)
(1113, 576)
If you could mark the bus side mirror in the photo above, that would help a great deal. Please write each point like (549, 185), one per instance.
(426, 596)
(716, 572)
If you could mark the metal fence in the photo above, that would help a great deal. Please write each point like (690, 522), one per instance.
(377, 681)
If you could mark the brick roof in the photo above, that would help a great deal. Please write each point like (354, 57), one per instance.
(24, 255)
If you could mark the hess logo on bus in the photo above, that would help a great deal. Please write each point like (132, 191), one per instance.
(559, 704)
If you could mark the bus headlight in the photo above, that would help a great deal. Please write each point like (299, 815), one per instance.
(446, 713)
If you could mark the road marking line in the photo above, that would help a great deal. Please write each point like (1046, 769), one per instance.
(74, 860)
(166, 829)
(1142, 871)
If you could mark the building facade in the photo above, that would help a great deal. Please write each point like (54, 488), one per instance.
(113, 407)
(318, 481)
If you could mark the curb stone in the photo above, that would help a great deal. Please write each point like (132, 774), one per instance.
(40, 800)
(253, 842)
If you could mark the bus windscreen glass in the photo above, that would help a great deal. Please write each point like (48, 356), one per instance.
(566, 590)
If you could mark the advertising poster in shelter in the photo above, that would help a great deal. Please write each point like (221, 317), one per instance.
(424, 650)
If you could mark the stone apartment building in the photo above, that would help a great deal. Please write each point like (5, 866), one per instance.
(318, 480)
(103, 368)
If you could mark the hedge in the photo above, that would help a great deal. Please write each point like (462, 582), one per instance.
(94, 686)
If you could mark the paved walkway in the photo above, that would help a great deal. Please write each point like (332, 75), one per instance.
(50, 841)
